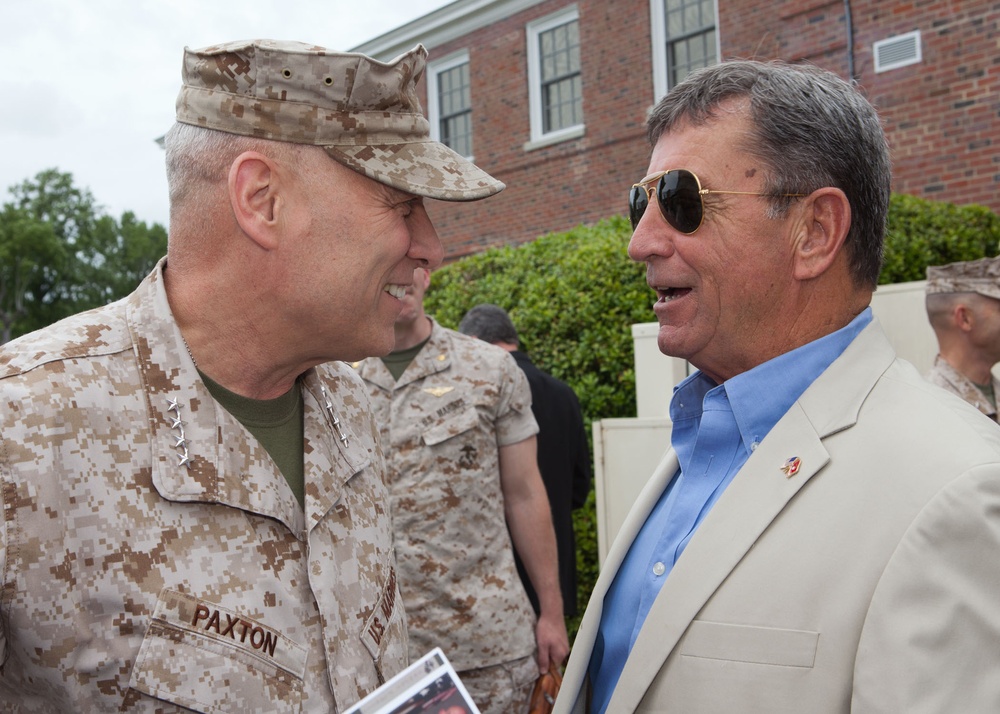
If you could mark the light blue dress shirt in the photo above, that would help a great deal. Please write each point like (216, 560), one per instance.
(715, 428)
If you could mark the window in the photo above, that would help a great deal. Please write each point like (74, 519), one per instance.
(449, 99)
(684, 39)
(554, 76)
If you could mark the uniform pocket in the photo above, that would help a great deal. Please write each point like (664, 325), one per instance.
(208, 658)
(455, 424)
(742, 643)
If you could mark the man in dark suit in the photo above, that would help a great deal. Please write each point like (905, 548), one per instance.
(563, 455)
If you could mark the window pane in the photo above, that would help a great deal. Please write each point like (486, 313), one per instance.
(559, 51)
(690, 26)
(562, 95)
(456, 132)
(548, 66)
(562, 104)
(455, 108)
(675, 22)
(690, 54)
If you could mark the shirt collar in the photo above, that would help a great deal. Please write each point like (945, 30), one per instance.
(762, 395)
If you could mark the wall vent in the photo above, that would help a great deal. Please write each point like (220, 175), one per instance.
(898, 51)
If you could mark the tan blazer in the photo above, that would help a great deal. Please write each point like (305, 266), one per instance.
(868, 581)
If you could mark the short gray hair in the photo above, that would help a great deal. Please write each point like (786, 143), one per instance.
(196, 156)
(811, 129)
(490, 323)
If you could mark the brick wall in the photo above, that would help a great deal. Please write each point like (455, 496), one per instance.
(942, 115)
(562, 185)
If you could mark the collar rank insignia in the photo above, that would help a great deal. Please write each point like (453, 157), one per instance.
(791, 466)
(328, 405)
(177, 424)
(438, 391)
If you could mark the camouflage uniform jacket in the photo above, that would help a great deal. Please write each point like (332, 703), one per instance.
(154, 558)
(946, 376)
(442, 425)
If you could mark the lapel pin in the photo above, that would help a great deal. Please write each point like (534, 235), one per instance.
(438, 391)
(791, 466)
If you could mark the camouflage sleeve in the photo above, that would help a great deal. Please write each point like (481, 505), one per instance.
(514, 420)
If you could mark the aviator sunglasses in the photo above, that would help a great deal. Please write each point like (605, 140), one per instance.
(679, 197)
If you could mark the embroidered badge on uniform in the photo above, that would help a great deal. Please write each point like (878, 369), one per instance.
(468, 459)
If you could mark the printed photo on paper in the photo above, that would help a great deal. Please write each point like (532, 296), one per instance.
(428, 686)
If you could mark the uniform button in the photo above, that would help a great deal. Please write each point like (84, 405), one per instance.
(659, 569)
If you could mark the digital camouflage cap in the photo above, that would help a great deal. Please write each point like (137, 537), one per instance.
(971, 276)
(363, 112)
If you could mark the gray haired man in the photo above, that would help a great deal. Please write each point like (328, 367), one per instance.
(195, 508)
(814, 539)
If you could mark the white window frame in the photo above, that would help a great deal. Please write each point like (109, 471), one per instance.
(433, 99)
(539, 137)
(658, 23)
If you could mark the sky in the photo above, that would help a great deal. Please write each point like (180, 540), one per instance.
(89, 85)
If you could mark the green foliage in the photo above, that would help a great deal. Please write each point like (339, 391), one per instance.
(29, 251)
(59, 254)
(574, 297)
(133, 248)
(585, 530)
(923, 233)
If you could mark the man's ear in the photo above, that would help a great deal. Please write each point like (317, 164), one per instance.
(963, 317)
(255, 197)
(825, 221)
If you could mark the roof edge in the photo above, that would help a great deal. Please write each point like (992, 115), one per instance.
(441, 26)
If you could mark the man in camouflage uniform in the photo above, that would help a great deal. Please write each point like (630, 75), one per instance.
(194, 498)
(459, 438)
(563, 453)
(963, 307)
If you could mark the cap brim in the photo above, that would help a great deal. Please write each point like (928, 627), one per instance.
(425, 168)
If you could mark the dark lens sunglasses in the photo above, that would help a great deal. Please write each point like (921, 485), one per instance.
(679, 198)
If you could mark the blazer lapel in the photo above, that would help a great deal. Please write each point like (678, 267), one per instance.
(576, 669)
(755, 497)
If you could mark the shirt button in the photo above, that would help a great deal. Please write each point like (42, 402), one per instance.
(754, 445)
(659, 569)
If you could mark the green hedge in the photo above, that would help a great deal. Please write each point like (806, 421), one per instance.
(574, 297)
(922, 233)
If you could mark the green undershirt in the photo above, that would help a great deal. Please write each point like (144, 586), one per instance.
(397, 362)
(276, 423)
(987, 390)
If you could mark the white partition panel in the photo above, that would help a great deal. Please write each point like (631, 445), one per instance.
(625, 453)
